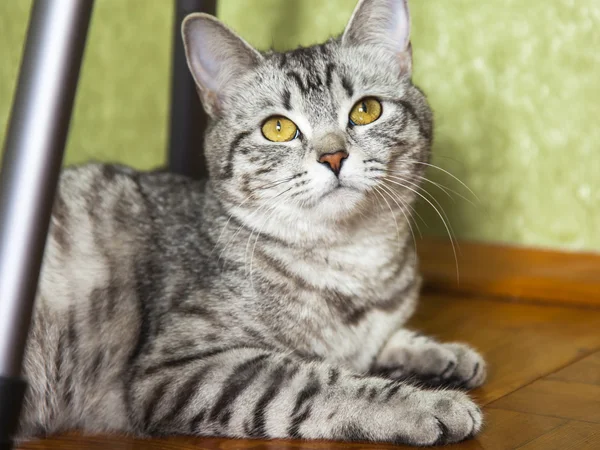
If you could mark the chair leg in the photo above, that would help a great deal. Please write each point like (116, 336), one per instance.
(31, 164)
(188, 119)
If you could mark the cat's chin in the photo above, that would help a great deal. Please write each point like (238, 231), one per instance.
(340, 202)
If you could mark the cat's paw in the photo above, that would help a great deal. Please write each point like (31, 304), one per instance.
(443, 417)
(453, 365)
(470, 370)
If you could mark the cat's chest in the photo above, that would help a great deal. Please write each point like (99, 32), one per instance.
(360, 269)
(351, 300)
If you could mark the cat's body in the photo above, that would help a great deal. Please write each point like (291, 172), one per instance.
(258, 303)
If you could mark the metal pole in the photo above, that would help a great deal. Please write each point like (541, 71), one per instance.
(188, 119)
(33, 151)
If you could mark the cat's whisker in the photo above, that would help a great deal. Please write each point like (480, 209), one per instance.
(440, 216)
(432, 197)
(387, 190)
(446, 172)
(272, 208)
(276, 183)
(263, 187)
(422, 178)
(394, 217)
(412, 211)
(235, 234)
(227, 224)
(448, 191)
(268, 210)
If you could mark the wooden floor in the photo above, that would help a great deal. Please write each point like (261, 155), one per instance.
(543, 390)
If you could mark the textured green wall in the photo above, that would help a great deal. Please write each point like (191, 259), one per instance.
(515, 86)
(121, 106)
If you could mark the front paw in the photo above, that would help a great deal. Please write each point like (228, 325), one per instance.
(442, 417)
(452, 365)
(470, 370)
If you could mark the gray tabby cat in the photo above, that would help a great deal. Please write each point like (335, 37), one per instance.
(269, 301)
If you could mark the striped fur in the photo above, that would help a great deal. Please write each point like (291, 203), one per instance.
(269, 301)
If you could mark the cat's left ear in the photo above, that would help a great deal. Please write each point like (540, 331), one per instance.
(384, 24)
(216, 57)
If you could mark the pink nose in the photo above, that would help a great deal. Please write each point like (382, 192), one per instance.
(334, 160)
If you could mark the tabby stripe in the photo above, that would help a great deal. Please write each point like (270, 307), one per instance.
(239, 380)
(274, 386)
(263, 171)
(347, 85)
(372, 394)
(73, 349)
(298, 80)
(193, 310)
(185, 395)
(361, 391)
(311, 389)
(411, 110)
(282, 60)
(155, 398)
(329, 74)
(263, 235)
(353, 432)
(95, 314)
(334, 374)
(294, 428)
(287, 99)
(60, 356)
(59, 229)
(392, 391)
(94, 368)
(112, 295)
(184, 360)
(68, 395)
(72, 335)
(196, 421)
(228, 169)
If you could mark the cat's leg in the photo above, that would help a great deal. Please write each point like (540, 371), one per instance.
(412, 356)
(260, 394)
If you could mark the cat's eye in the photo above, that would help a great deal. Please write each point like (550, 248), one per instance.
(365, 111)
(279, 129)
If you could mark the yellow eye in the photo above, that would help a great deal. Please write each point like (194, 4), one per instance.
(365, 111)
(279, 129)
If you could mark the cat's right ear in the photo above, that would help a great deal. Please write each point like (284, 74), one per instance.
(216, 57)
(383, 24)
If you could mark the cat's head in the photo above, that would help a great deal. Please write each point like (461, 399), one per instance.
(318, 131)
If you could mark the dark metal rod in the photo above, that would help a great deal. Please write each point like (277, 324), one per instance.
(33, 152)
(188, 119)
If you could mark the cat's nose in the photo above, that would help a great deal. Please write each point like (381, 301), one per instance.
(334, 160)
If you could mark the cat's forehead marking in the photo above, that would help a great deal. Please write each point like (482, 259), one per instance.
(311, 82)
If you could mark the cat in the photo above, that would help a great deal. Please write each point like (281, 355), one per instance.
(269, 300)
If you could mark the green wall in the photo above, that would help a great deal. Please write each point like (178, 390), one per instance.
(515, 86)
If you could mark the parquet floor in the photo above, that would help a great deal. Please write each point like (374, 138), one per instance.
(543, 390)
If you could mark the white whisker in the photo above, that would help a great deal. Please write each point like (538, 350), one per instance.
(392, 195)
(394, 217)
(445, 171)
(441, 217)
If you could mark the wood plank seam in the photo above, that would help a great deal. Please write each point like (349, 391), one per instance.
(490, 403)
(436, 289)
(558, 425)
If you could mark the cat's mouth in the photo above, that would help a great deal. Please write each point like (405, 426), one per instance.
(339, 189)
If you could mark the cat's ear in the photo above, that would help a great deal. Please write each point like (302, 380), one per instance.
(216, 57)
(384, 24)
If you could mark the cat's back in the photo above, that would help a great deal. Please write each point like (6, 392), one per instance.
(110, 226)
(115, 205)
